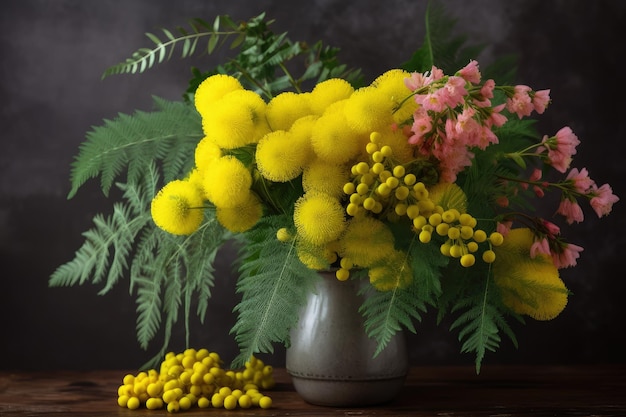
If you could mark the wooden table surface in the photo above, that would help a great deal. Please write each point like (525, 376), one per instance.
(499, 391)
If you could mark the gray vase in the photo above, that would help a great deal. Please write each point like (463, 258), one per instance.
(331, 360)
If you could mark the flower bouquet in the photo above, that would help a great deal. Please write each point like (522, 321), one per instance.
(424, 182)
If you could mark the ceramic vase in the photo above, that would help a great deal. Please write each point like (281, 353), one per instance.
(331, 359)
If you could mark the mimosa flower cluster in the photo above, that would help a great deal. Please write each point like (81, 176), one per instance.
(196, 378)
(375, 162)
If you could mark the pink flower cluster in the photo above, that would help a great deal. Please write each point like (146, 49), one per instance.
(560, 148)
(455, 114)
(548, 242)
(576, 185)
(455, 117)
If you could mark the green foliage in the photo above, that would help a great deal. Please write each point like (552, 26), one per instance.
(166, 271)
(273, 292)
(481, 322)
(187, 40)
(440, 46)
(270, 63)
(265, 62)
(133, 142)
(103, 255)
(387, 312)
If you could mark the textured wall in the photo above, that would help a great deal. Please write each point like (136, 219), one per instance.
(54, 51)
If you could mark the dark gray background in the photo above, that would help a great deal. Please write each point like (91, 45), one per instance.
(54, 51)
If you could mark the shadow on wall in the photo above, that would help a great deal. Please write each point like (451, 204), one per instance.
(55, 52)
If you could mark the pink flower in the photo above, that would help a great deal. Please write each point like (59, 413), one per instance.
(504, 227)
(540, 100)
(602, 202)
(560, 148)
(535, 175)
(486, 137)
(520, 103)
(487, 89)
(496, 118)
(422, 124)
(435, 74)
(580, 179)
(435, 101)
(415, 81)
(454, 91)
(466, 128)
(551, 228)
(571, 211)
(541, 246)
(418, 80)
(470, 72)
(567, 257)
(502, 201)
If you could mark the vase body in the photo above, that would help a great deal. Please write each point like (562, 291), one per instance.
(331, 360)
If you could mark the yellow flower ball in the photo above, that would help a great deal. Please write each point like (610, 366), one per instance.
(318, 257)
(403, 152)
(196, 178)
(278, 158)
(368, 109)
(391, 82)
(227, 182)
(394, 272)
(530, 286)
(212, 89)
(366, 241)
(241, 218)
(327, 92)
(237, 119)
(300, 133)
(206, 151)
(321, 176)
(178, 208)
(287, 107)
(319, 218)
(334, 141)
(449, 196)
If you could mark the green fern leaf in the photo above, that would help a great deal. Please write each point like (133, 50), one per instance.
(93, 261)
(273, 292)
(480, 325)
(440, 47)
(133, 142)
(387, 312)
(148, 309)
(110, 243)
(145, 58)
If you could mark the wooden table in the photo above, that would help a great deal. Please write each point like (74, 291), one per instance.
(498, 391)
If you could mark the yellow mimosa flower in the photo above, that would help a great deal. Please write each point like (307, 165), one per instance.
(178, 208)
(530, 286)
(319, 218)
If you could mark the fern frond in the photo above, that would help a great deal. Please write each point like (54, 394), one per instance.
(136, 141)
(387, 312)
(148, 309)
(440, 47)
(166, 271)
(480, 325)
(105, 251)
(273, 292)
(163, 50)
(183, 268)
